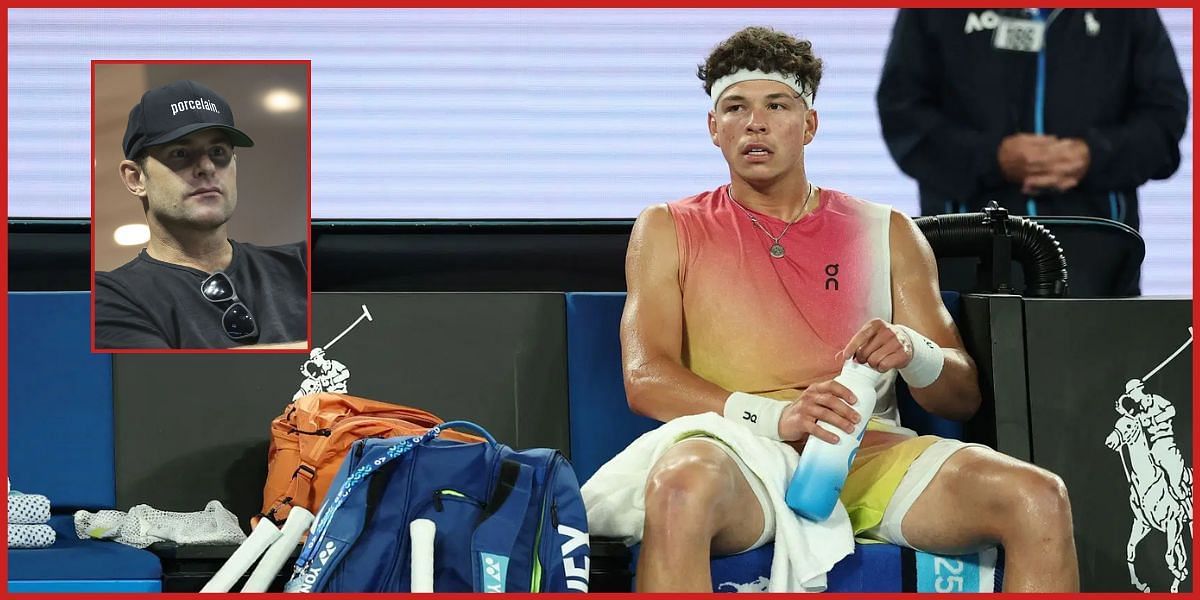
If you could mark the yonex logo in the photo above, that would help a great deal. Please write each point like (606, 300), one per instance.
(303, 581)
(327, 553)
(575, 569)
(495, 572)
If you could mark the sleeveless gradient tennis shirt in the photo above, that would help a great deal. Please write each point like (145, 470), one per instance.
(771, 326)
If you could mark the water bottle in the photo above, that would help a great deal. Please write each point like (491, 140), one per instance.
(823, 466)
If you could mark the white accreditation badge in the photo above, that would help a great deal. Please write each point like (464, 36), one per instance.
(1022, 35)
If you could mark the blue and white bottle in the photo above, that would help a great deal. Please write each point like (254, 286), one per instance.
(823, 467)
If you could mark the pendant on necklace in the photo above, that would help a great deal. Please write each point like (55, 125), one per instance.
(777, 250)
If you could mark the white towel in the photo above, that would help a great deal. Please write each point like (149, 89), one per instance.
(30, 536)
(28, 509)
(805, 550)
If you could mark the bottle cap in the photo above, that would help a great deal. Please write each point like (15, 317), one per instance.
(857, 369)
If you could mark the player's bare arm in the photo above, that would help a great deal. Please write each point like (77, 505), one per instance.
(952, 390)
(656, 382)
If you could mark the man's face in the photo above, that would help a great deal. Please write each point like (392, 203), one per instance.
(192, 180)
(761, 128)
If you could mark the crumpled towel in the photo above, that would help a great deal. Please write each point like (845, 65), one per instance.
(28, 509)
(615, 498)
(143, 525)
(30, 536)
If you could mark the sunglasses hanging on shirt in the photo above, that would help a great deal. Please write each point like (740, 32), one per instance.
(237, 321)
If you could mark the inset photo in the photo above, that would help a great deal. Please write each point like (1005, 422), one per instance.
(201, 206)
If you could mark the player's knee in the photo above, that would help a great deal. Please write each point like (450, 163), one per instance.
(686, 486)
(1040, 500)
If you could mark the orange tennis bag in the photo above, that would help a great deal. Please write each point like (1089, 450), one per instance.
(314, 433)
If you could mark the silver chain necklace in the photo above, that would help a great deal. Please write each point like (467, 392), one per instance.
(777, 249)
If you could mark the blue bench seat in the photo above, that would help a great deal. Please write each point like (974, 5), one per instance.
(60, 425)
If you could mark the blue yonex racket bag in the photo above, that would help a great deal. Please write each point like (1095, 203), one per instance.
(506, 521)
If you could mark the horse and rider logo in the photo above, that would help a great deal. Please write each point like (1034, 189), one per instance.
(322, 374)
(1160, 484)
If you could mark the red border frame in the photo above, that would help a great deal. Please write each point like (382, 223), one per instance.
(535, 4)
(308, 208)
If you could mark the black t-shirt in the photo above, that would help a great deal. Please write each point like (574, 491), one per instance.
(148, 303)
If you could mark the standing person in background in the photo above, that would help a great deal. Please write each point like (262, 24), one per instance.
(1046, 111)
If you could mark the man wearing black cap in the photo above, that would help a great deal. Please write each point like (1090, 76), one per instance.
(193, 287)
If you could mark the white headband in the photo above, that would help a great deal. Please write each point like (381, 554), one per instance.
(719, 86)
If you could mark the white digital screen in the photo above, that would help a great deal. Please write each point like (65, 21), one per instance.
(498, 114)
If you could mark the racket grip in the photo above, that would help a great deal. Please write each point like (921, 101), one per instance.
(297, 522)
(422, 532)
(241, 559)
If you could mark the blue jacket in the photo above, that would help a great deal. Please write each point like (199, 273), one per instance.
(947, 97)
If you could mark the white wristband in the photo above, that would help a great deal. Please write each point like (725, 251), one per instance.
(927, 362)
(759, 414)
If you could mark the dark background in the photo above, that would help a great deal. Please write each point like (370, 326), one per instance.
(190, 428)
(1081, 353)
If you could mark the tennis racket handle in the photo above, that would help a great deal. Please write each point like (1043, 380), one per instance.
(241, 559)
(297, 522)
(422, 532)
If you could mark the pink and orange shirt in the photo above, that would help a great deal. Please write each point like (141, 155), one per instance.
(771, 326)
